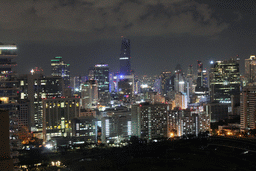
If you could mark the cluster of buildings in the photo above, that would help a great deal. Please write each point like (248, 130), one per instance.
(110, 107)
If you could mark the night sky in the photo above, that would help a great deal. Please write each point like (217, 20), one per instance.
(163, 33)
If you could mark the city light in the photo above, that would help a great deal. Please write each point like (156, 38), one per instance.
(8, 47)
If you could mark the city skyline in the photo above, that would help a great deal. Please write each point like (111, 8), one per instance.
(162, 34)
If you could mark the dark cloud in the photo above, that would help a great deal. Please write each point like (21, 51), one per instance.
(76, 20)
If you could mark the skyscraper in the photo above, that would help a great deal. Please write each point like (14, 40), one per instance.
(125, 65)
(150, 121)
(224, 80)
(248, 107)
(9, 93)
(250, 69)
(60, 68)
(101, 74)
(199, 80)
(165, 82)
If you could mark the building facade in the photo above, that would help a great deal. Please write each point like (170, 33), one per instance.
(149, 121)
(57, 116)
(224, 80)
(61, 69)
(248, 107)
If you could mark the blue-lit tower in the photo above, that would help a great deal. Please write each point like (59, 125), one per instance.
(125, 65)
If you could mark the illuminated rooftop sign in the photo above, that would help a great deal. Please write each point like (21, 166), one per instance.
(8, 47)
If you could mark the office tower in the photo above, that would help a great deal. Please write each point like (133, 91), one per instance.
(35, 88)
(116, 125)
(149, 121)
(91, 73)
(250, 69)
(85, 129)
(125, 87)
(201, 89)
(9, 94)
(89, 94)
(75, 84)
(57, 116)
(248, 107)
(190, 84)
(224, 80)
(101, 74)
(179, 81)
(6, 162)
(166, 82)
(157, 85)
(60, 68)
(199, 80)
(125, 65)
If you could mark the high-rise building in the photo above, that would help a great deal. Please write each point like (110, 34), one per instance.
(199, 80)
(116, 123)
(9, 93)
(190, 83)
(149, 121)
(125, 65)
(57, 116)
(183, 122)
(224, 80)
(166, 85)
(6, 162)
(201, 89)
(250, 69)
(89, 94)
(60, 68)
(248, 107)
(101, 74)
(35, 88)
(179, 81)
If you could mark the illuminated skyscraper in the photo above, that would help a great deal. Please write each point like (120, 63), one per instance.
(150, 121)
(101, 74)
(250, 69)
(125, 65)
(60, 68)
(224, 80)
(9, 93)
(248, 107)
(166, 85)
(199, 74)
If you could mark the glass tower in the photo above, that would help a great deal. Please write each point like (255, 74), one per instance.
(60, 68)
(224, 80)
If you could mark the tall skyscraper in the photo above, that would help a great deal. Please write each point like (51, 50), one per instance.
(199, 74)
(250, 69)
(224, 80)
(179, 81)
(9, 93)
(248, 107)
(101, 74)
(166, 82)
(89, 94)
(201, 89)
(125, 65)
(60, 68)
